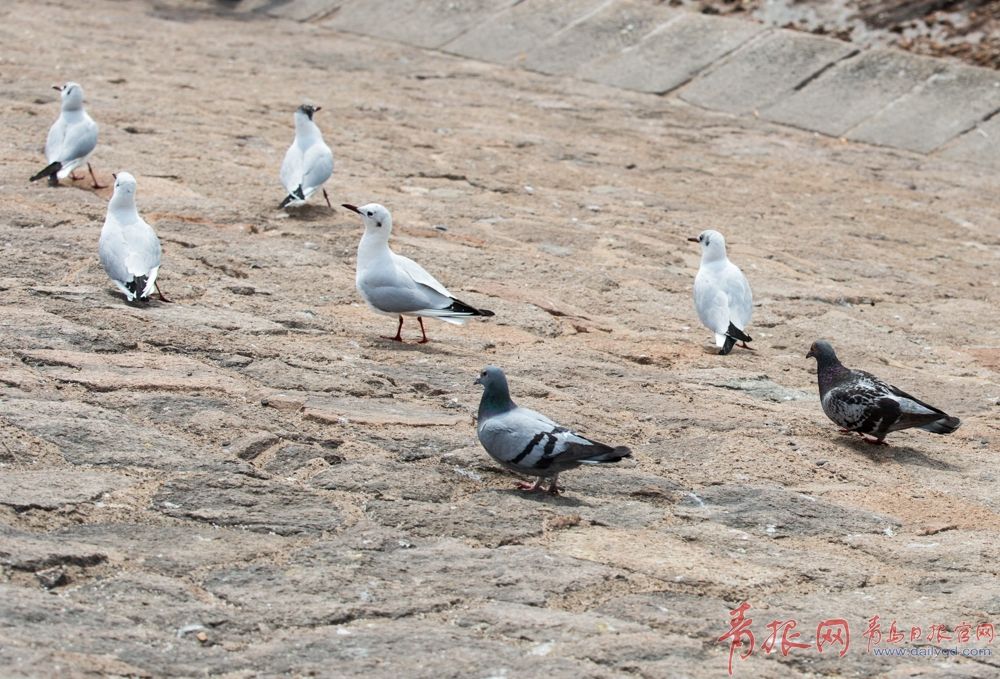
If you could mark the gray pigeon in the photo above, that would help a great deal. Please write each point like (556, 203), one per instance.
(529, 443)
(860, 402)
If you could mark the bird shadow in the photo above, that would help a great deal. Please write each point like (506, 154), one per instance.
(900, 454)
(311, 212)
(426, 348)
(544, 498)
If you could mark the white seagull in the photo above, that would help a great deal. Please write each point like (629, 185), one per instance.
(71, 138)
(397, 286)
(308, 162)
(722, 294)
(129, 248)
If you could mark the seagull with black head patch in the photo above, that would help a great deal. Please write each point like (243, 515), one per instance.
(71, 138)
(527, 442)
(722, 294)
(308, 162)
(397, 286)
(860, 402)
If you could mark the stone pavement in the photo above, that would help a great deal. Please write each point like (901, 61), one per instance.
(882, 96)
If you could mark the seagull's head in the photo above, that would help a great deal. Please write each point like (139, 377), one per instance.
(492, 377)
(307, 110)
(124, 194)
(376, 218)
(822, 351)
(713, 245)
(72, 95)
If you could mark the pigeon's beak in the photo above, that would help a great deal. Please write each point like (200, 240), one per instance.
(693, 240)
(810, 354)
(479, 380)
(350, 207)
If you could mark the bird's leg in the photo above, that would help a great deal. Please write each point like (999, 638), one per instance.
(399, 332)
(96, 184)
(422, 331)
(554, 485)
(744, 345)
(163, 298)
(327, 199)
(72, 176)
(845, 431)
(531, 487)
(875, 441)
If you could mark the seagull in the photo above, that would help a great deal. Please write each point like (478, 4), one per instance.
(397, 286)
(129, 248)
(308, 162)
(71, 138)
(529, 443)
(722, 294)
(860, 402)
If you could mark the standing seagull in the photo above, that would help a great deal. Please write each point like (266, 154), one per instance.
(722, 294)
(397, 286)
(71, 138)
(129, 248)
(527, 442)
(860, 402)
(308, 162)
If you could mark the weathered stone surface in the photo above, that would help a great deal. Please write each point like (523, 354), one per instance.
(254, 504)
(770, 512)
(377, 412)
(507, 36)
(612, 28)
(417, 22)
(979, 145)
(763, 71)
(852, 91)
(949, 103)
(672, 54)
(25, 490)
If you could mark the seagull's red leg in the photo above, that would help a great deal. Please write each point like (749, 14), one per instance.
(163, 298)
(422, 331)
(747, 346)
(327, 199)
(399, 332)
(73, 177)
(96, 184)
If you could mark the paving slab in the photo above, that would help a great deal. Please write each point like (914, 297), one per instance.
(609, 30)
(853, 91)
(980, 145)
(302, 10)
(425, 23)
(673, 54)
(949, 103)
(763, 71)
(508, 36)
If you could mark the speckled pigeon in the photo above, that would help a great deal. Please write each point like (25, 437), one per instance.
(529, 443)
(862, 403)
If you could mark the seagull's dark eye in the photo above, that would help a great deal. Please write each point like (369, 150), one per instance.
(370, 213)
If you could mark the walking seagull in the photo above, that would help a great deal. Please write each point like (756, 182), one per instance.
(529, 443)
(71, 138)
(129, 248)
(722, 294)
(397, 286)
(308, 162)
(860, 402)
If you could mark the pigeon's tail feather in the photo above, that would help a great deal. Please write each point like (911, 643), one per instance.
(137, 286)
(728, 346)
(945, 425)
(737, 334)
(294, 196)
(50, 171)
(598, 453)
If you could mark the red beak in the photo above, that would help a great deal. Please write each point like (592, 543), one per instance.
(350, 207)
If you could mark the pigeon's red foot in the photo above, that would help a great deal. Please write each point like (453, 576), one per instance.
(531, 487)
(875, 442)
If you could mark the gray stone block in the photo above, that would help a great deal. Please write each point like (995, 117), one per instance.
(764, 71)
(424, 23)
(949, 103)
(672, 54)
(608, 31)
(302, 10)
(508, 36)
(980, 145)
(853, 91)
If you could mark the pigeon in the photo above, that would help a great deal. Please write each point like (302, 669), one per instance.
(860, 402)
(529, 443)
(397, 286)
(722, 294)
(129, 248)
(308, 162)
(71, 138)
